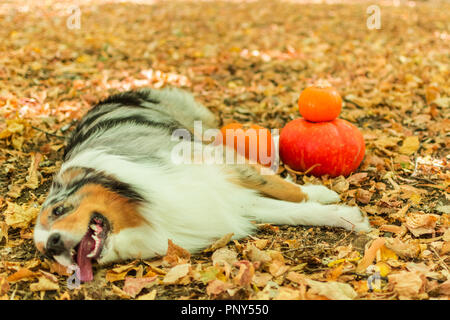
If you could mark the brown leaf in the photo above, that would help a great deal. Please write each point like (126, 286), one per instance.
(296, 277)
(224, 255)
(409, 250)
(340, 184)
(17, 216)
(408, 285)
(22, 274)
(444, 288)
(33, 174)
(363, 196)
(4, 286)
(260, 279)
(277, 267)
(410, 145)
(176, 255)
(254, 254)
(357, 178)
(149, 296)
(120, 272)
(369, 254)
(44, 284)
(177, 273)
(287, 293)
(400, 230)
(133, 286)
(245, 274)
(57, 268)
(220, 243)
(216, 287)
(332, 290)
(419, 224)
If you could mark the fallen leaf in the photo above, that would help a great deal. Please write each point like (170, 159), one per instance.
(419, 224)
(22, 274)
(363, 196)
(340, 184)
(357, 178)
(120, 272)
(17, 216)
(44, 284)
(119, 292)
(220, 243)
(409, 249)
(4, 286)
(370, 254)
(133, 286)
(444, 288)
(33, 174)
(332, 290)
(255, 254)
(224, 255)
(176, 255)
(286, 293)
(260, 279)
(400, 230)
(296, 277)
(57, 268)
(149, 296)
(407, 284)
(410, 145)
(216, 287)
(245, 273)
(176, 273)
(277, 266)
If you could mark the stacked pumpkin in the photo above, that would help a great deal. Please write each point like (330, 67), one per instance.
(320, 143)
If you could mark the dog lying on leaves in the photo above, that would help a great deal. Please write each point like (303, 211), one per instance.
(118, 194)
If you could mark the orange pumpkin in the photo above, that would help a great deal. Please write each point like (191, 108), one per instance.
(252, 141)
(320, 103)
(333, 147)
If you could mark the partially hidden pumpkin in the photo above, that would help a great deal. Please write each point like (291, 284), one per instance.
(252, 141)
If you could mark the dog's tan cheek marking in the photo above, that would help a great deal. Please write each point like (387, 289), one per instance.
(119, 211)
(75, 222)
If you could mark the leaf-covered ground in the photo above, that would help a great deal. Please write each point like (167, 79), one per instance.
(246, 61)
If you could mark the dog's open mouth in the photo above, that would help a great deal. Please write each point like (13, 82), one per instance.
(91, 246)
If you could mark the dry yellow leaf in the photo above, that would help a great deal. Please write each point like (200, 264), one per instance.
(410, 145)
(44, 284)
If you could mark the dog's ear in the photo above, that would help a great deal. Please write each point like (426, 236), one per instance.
(273, 186)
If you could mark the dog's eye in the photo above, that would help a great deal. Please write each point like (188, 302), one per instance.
(57, 211)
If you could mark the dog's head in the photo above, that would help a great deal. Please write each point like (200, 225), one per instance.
(84, 210)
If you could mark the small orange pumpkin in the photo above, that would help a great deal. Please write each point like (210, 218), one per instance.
(320, 103)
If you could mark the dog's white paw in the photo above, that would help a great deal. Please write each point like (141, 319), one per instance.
(320, 194)
(352, 218)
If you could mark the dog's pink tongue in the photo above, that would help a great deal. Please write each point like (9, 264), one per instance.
(87, 244)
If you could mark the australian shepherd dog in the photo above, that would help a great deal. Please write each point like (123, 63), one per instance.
(120, 195)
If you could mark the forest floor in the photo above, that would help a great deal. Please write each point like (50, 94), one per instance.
(247, 62)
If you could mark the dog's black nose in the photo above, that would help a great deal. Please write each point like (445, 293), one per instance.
(55, 245)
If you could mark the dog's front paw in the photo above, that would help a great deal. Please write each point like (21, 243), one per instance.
(352, 218)
(320, 194)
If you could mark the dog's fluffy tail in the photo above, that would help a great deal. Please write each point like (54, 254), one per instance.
(267, 210)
